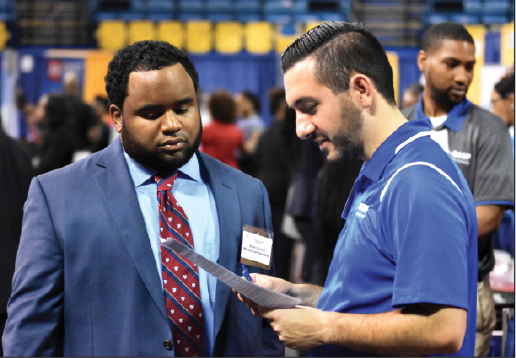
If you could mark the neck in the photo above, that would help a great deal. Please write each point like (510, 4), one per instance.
(380, 121)
(432, 108)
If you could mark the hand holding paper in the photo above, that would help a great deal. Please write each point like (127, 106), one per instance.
(262, 296)
(274, 284)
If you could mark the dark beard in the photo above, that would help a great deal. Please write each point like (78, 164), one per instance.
(348, 150)
(348, 145)
(150, 159)
(442, 97)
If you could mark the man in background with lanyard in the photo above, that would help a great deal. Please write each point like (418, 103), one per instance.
(476, 139)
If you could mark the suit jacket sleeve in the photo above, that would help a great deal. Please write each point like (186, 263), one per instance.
(35, 311)
(272, 347)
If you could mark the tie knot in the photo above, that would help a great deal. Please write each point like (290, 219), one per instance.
(165, 184)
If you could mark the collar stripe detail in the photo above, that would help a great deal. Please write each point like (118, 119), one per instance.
(411, 139)
(418, 163)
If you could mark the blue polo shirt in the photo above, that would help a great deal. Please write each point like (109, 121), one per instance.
(410, 236)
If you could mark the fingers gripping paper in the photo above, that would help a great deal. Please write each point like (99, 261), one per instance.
(262, 296)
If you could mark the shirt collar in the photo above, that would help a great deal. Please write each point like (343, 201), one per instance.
(143, 176)
(388, 149)
(456, 116)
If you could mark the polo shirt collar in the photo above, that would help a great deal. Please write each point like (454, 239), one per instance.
(143, 176)
(388, 149)
(455, 118)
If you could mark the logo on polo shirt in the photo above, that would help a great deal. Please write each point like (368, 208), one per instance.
(362, 209)
(460, 157)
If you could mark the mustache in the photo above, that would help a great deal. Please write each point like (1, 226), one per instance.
(317, 135)
(458, 87)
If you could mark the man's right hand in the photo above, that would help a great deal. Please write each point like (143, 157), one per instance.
(272, 283)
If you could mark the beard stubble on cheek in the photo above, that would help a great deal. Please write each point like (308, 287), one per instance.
(151, 159)
(347, 141)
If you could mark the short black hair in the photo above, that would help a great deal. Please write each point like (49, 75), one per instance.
(222, 106)
(253, 98)
(505, 87)
(143, 56)
(342, 49)
(276, 98)
(444, 31)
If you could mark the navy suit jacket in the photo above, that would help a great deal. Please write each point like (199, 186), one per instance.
(86, 280)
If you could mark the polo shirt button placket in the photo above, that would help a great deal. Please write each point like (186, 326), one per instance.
(167, 345)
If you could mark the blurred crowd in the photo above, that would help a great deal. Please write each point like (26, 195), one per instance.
(61, 128)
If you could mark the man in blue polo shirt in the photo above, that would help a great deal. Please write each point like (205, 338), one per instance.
(404, 273)
(476, 139)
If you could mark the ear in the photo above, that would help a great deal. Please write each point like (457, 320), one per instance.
(116, 116)
(362, 90)
(421, 60)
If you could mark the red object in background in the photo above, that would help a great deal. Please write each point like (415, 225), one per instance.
(222, 141)
(54, 70)
(502, 276)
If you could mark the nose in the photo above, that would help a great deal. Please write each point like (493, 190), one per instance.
(304, 127)
(170, 122)
(462, 75)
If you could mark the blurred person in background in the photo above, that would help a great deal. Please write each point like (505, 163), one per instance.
(476, 140)
(35, 120)
(100, 134)
(15, 176)
(502, 100)
(273, 162)
(334, 184)
(58, 141)
(81, 114)
(411, 94)
(251, 124)
(221, 138)
(22, 113)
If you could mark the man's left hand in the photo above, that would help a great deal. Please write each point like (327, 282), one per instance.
(298, 328)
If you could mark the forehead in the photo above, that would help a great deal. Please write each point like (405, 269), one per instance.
(301, 80)
(495, 94)
(159, 85)
(454, 48)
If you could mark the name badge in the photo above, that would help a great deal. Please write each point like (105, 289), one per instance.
(256, 247)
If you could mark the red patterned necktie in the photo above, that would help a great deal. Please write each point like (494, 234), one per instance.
(180, 276)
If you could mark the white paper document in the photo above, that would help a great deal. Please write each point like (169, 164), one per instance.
(262, 296)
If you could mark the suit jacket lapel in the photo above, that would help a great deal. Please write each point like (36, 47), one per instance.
(117, 187)
(230, 226)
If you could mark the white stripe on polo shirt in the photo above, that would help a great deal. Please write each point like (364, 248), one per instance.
(418, 163)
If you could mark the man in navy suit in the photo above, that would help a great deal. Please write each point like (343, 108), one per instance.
(88, 277)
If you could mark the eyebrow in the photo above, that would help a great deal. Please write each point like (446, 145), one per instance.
(457, 60)
(150, 107)
(185, 100)
(302, 100)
